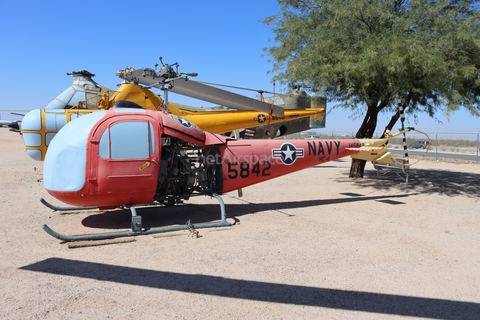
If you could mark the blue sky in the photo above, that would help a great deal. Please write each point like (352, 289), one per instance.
(221, 40)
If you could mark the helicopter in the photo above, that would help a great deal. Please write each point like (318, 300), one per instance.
(12, 125)
(85, 96)
(5, 123)
(126, 157)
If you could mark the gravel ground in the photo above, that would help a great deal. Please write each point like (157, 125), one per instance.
(310, 245)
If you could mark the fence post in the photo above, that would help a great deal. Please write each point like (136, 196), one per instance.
(478, 133)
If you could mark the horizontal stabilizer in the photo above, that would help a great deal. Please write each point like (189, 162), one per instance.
(367, 149)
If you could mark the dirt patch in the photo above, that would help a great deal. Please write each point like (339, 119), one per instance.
(313, 244)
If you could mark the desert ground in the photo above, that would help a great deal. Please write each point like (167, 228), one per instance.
(310, 245)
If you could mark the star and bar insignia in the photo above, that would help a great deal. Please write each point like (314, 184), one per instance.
(261, 118)
(183, 122)
(288, 153)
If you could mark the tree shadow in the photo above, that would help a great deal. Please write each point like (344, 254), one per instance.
(221, 286)
(440, 182)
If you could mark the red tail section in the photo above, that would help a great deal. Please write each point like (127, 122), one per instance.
(246, 162)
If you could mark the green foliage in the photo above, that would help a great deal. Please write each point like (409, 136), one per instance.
(372, 52)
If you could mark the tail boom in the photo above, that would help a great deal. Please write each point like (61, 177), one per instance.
(247, 162)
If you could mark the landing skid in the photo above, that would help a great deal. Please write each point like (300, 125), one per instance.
(137, 229)
(57, 208)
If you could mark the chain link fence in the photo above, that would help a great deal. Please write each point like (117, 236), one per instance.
(440, 143)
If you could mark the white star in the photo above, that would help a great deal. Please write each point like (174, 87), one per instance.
(184, 122)
(288, 153)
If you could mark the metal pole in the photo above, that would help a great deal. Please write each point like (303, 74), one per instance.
(478, 133)
(436, 146)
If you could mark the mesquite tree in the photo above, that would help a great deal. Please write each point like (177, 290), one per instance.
(369, 54)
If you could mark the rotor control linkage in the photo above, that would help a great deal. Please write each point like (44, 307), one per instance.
(138, 230)
(166, 74)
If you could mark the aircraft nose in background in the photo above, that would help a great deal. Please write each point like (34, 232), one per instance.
(15, 125)
(31, 126)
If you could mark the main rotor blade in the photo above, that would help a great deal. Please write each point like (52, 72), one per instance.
(203, 92)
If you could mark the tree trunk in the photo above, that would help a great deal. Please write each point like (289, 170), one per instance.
(390, 125)
(356, 168)
(366, 130)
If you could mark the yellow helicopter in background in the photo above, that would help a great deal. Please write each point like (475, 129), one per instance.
(273, 117)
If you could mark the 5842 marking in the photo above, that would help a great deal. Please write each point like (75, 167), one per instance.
(244, 169)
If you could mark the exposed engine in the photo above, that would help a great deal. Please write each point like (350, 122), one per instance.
(186, 168)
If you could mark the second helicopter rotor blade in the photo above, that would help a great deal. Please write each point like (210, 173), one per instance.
(204, 92)
(197, 90)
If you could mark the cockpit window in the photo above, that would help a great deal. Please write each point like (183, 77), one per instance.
(127, 140)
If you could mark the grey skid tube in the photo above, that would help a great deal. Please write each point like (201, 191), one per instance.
(130, 233)
(57, 208)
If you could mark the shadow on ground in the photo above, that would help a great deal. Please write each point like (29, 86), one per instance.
(160, 216)
(380, 303)
(441, 182)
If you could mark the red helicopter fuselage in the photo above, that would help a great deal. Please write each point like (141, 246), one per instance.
(136, 156)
